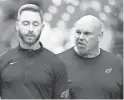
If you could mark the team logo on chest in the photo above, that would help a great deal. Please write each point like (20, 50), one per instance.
(65, 94)
(108, 71)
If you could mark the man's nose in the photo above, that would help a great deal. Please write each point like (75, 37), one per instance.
(31, 28)
(81, 37)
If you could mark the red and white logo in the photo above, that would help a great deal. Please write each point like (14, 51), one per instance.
(108, 71)
(65, 94)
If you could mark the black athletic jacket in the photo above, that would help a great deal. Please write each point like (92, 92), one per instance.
(32, 74)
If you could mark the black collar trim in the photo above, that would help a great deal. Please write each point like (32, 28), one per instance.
(31, 50)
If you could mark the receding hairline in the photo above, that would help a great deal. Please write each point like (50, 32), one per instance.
(30, 7)
(89, 18)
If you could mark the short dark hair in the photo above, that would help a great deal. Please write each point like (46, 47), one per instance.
(30, 7)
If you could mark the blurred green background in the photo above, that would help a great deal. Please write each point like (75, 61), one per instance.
(59, 18)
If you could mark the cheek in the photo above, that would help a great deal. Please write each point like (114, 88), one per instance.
(23, 30)
(37, 30)
(76, 41)
(92, 41)
(76, 37)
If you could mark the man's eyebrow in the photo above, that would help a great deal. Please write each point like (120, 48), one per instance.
(78, 29)
(36, 21)
(83, 30)
(87, 32)
(24, 20)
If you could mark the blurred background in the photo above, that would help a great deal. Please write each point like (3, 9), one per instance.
(59, 18)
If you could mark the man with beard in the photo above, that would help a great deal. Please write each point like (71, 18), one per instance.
(93, 72)
(30, 71)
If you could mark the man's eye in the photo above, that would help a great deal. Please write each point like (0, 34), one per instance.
(87, 33)
(35, 23)
(25, 23)
(78, 32)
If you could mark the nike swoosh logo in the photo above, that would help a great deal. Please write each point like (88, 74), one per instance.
(13, 63)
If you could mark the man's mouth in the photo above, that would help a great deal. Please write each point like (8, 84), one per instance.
(30, 36)
(81, 44)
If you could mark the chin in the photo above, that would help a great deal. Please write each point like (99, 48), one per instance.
(82, 50)
(30, 42)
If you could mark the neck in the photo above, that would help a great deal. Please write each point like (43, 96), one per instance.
(89, 54)
(33, 47)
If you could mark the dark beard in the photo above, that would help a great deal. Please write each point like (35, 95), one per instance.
(22, 37)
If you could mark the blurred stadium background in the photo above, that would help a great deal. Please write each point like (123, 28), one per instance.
(59, 18)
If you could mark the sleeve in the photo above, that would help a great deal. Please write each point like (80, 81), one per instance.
(0, 72)
(119, 77)
(121, 82)
(60, 85)
(0, 86)
(0, 77)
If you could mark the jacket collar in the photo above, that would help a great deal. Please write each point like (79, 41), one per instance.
(31, 50)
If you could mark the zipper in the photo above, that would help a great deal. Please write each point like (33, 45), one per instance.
(28, 65)
(26, 68)
(26, 72)
(30, 50)
(26, 76)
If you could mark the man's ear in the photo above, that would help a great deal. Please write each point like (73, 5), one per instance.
(42, 26)
(100, 35)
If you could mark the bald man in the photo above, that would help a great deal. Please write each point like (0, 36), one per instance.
(93, 73)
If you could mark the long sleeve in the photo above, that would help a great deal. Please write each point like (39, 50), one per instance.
(60, 89)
